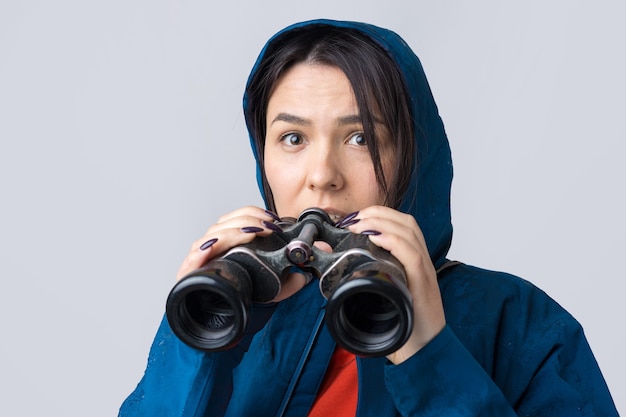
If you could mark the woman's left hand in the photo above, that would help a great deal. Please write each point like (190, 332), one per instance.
(400, 235)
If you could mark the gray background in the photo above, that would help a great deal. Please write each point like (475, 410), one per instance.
(122, 140)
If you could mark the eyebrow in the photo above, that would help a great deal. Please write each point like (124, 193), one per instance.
(301, 121)
(290, 118)
(354, 119)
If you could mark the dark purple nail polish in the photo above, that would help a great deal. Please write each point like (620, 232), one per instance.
(272, 215)
(370, 232)
(348, 223)
(272, 227)
(349, 217)
(206, 245)
(251, 229)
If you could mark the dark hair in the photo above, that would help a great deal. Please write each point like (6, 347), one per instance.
(377, 83)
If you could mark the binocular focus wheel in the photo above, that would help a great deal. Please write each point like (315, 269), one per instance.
(207, 313)
(370, 314)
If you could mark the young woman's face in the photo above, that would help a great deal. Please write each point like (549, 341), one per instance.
(315, 152)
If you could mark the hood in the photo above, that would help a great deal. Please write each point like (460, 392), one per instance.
(428, 195)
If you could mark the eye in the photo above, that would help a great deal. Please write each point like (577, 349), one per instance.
(357, 139)
(292, 139)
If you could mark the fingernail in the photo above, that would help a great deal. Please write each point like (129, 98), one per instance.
(206, 245)
(251, 229)
(343, 224)
(272, 215)
(348, 217)
(272, 226)
(370, 232)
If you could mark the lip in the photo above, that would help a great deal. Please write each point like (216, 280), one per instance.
(335, 215)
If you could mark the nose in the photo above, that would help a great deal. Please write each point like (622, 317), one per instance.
(325, 168)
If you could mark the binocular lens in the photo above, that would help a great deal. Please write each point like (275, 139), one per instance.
(209, 310)
(370, 315)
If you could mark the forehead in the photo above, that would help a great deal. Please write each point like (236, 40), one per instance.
(309, 86)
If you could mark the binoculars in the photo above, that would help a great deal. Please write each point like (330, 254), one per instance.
(369, 311)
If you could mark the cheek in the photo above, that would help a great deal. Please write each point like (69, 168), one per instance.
(376, 193)
(271, 175)
(364, 187)
(280, 181)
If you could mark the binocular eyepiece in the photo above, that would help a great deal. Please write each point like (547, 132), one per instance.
(369, 310)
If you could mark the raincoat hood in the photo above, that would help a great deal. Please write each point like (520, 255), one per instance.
(428, 195)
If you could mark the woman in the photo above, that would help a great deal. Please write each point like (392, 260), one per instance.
(341, 117)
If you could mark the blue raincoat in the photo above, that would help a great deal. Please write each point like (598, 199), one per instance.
(508, 349)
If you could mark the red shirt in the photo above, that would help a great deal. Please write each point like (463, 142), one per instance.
(339, 391)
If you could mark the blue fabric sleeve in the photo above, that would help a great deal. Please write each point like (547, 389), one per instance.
(567, 381)
(443, 379)
(180, 381)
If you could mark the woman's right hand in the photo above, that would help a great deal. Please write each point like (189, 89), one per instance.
(233, 229)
